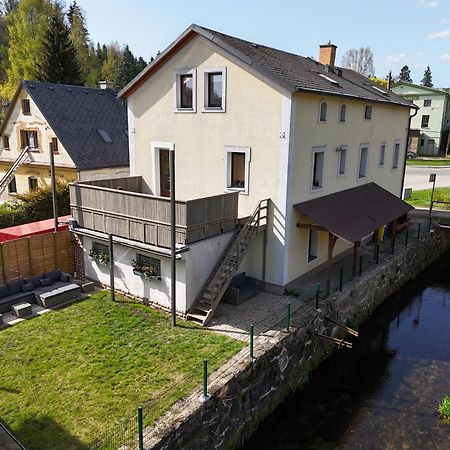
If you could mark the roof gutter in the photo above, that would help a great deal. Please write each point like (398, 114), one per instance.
(406, 151)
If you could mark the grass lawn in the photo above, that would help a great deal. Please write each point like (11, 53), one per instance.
(422, 198)
(68, 376)
(428, 162)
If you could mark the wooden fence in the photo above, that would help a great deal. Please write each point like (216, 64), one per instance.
(35, 255)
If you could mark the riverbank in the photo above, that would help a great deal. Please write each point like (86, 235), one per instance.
(243, 392)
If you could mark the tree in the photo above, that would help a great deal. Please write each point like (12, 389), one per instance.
(140, 65)
(360, 60)
(381, 81)
(427, 79)
(405, 75)
(127, 69)
(59, 64)
(26, 26)
(112, 61)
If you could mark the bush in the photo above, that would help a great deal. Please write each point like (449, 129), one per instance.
(37, 205)
(444, 410)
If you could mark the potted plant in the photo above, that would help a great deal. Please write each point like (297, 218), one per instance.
(148, 272)
(99, 256)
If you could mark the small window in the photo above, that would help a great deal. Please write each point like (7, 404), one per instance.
(54, 145)
(184, 88)
(425, 121)
(186, 94)
(104, 135)
(368, 112)
(396, 155)
(364, 153)
(318, 165)
(12, 186)
(342, 161)
(26, 106)
(5, 139)
(29, 139)
(237, 161)
(149, 265)
(215, 81)
(323, 112)
(32, 183)
(342, 113)
(382, 154)
(427, 103)
(313, 245)
(422, 142)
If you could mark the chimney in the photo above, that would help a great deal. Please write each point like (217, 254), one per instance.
(105, 84)
(327, 54)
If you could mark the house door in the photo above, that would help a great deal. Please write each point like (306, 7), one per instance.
(164, 173)
(430, 147)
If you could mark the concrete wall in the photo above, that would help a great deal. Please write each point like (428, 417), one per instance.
(193, 269)
(242, 394)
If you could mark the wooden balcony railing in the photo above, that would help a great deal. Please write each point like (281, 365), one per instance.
(118, 206)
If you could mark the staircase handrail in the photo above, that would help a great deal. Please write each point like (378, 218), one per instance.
(17, 162)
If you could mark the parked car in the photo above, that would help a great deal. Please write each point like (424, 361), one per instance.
(411, 155)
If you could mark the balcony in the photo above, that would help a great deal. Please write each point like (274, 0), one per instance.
(119, 206)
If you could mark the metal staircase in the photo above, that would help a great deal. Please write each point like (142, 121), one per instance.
(220, 277)
(23, 158)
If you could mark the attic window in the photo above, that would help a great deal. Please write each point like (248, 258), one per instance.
(26, 106)
(379, 90)
(329, 79)
(104, 135)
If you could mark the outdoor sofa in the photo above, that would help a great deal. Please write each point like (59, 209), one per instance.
(241, 288)
(47, 290)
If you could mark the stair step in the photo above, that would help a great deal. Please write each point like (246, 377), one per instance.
(202, 307)
(196, 317)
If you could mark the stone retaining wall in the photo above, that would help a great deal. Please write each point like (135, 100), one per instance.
(243, 393)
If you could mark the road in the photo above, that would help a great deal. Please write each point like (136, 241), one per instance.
(417, 177)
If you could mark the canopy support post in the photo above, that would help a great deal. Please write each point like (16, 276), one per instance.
(331, 242)
(355, 257)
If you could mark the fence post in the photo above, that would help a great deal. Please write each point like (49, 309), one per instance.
(406, 237)
(360, 264)
(418, 231)
(341, 278)
(378, 255)
(205, 380)
(288, 316)
(252, 330)
(317, 295)
(111, 268)
(140, 429)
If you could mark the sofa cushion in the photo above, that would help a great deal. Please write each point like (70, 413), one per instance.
(238, 280)
(64, 277)
(28, 287)
(53, 275)
(15, 286)
(46, 282)
(4, 291)
(35, 281)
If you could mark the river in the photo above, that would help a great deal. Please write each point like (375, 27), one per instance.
(383, 393)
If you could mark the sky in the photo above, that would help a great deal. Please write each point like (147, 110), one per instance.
(399, 32)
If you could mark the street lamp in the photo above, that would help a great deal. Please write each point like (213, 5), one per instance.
(432, 179)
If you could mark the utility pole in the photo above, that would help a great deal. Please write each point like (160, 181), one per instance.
(53, 182)
(173, 223)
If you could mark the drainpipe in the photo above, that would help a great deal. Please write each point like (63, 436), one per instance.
(406, 152)
(389, 80)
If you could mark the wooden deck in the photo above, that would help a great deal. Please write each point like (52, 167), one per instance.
(118, 206)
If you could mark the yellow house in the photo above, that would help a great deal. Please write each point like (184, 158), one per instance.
(85, 128)
(242, 118)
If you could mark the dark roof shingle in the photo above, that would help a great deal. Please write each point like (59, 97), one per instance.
(76, 113)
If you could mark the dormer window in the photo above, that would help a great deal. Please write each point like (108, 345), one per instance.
(342, 113)
(184, 87)
(368, 112)
(26, 107)
(323, 112)
(5, 139)
(214, 83)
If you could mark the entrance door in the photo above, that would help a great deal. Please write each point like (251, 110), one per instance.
(430, 147)
(164, 173)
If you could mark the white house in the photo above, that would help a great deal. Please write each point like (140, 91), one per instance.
(306, 154)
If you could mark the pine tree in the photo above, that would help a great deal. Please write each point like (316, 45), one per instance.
(140, 64)
(405, 75)
(59, 63)
(427, 79)
(127, 69)
(112, 61)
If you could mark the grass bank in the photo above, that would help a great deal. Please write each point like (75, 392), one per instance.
(428, 162)
(68, 376)
(422, 198)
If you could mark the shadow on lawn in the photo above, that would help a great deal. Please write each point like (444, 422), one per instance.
(44, 433)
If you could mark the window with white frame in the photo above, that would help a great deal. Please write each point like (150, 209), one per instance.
(214, 84)
(382, 154)
(237, 162)
(396, 155)
(363, 157)
(317, 168)
(342, 150)
(185, 89)
(342, 113)
(427, 102)
(323, 111)
(313, 245)
(368, 112)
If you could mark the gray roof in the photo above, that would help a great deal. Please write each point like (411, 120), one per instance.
(76, 113)
(293, 72)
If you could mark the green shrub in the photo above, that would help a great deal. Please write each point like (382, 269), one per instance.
(37, 205)
(444, 410)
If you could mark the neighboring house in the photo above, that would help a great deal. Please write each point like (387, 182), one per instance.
(85, 128)
(430, 126)
(246, 123)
